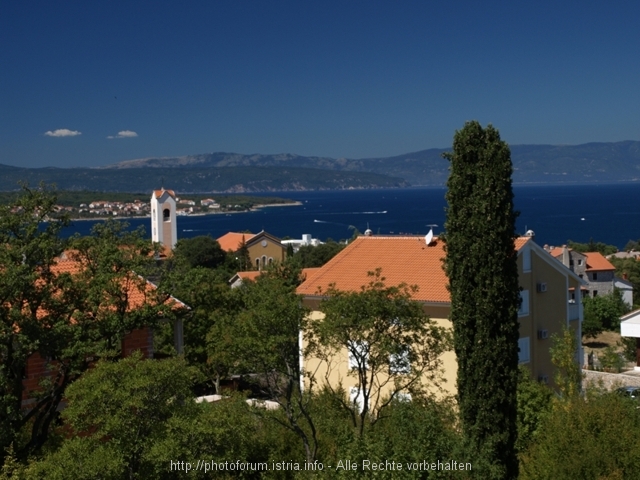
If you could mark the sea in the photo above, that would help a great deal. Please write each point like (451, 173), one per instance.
(556, 213)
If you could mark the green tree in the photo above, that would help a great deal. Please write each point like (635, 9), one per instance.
(629, 268)
(568, 377)
(201, 251)
(242, 256)
(534, 404)
(394, 348)
(591, 439)
(212, 302)
(132, 418)
(309, 256)
(127, 402)
(66, 308)
(483, 282)
(603, 313)
(266, 332)
(29, 311)
(592, 246)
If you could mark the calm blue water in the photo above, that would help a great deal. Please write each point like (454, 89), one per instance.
(606, 213)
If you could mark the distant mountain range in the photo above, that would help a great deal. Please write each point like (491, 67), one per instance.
(233, 172)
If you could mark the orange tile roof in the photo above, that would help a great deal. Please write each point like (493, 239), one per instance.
(137, 296)
(402, 260)
(308, 272)
(597, 262)
(520, 241)
(158, 193)
(249, 275)
(230, 242)
(556, 251)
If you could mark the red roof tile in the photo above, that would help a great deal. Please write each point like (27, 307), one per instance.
(556, 251)
(158, 193)
(137, 294)
(402, 260)
(253, 274)
(230, 242)
(597, 262)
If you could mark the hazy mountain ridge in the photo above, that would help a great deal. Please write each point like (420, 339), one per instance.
(242, 179)
(237, 173)
(590, 162)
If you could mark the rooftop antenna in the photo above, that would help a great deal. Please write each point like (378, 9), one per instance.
(429, 237)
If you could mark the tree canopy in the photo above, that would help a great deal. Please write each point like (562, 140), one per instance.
(483, 282)
(394, 348)
(592, 246)
(201, 251)
(65, 302)
(603, 313)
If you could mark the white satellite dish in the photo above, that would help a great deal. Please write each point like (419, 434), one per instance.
(429, 237)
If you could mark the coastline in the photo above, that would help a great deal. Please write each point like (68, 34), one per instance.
(255, 208)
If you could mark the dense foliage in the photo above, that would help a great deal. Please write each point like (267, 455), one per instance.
(135, 418)
(483, 275)
(309, 256)
(200, 251)
(629, 268)
(394, 348)
(603, 313)
(67, 317)
(593, 438)
(592, 246)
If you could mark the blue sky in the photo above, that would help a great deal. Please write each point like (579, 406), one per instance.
(348, 79)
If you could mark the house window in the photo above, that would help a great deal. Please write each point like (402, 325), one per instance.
(403, 397)
(258, 263)
(358, 354)
(595, 275)
(526, 260)
(595, 293)
(524, 303)
(400, 362)
(270, 260)
(581, 276)
(524, 354)
(580, 262)
(356, 398)
(166, 215)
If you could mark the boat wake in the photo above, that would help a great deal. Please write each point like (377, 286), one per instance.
(356, 213)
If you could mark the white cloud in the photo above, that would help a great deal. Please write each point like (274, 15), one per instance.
(62, 132)
(124, 134)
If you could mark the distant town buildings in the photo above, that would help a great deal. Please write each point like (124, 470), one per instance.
(303, 242)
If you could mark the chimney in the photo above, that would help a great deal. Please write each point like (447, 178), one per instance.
(565, 256)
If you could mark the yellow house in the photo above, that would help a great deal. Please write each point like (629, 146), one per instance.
(264, 248)
(547, 305)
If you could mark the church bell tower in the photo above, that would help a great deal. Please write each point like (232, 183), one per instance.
(163, 218)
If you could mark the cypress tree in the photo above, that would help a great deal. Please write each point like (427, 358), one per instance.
(483, 282)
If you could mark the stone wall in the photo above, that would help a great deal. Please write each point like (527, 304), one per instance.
(609, 380)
